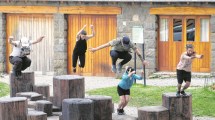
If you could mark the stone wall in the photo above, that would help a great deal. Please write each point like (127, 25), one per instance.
(2, 43)
(212, 38)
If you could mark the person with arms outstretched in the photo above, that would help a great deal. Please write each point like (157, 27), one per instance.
(120, 49)
(184, 68)
(81, 47)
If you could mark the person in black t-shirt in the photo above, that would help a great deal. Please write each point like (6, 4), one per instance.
(81, 47)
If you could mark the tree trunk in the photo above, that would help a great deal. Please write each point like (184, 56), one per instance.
(180, 108)
(77, 109)
(67, 86)
(45, 106)
(42, 89)
(153, 113)
(102, 107)
(14, 108)
(36, 115)
(24, 84)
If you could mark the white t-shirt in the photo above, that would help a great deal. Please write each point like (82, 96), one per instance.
(16, 50)
(185, 63)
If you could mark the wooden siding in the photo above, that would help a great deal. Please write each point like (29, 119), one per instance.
(98, 63)
(33, 26)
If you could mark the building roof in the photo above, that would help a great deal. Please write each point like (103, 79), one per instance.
(124, 0)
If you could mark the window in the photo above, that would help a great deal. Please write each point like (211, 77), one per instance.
(177, 29)
(190, 29)
(204, 30)
(164, 29)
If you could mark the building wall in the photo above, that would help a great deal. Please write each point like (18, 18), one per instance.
(2, 42)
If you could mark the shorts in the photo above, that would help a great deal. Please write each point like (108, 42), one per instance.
(122, 91)
(183, 76)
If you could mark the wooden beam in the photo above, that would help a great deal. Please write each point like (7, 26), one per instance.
(89, 10)
(28, 9)
(183, 11)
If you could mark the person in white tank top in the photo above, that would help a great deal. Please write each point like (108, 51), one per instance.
(18, 57)
(184, 68)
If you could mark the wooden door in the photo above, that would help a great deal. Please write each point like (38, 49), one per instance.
(179, 31)
(33, 26)
(98, 63)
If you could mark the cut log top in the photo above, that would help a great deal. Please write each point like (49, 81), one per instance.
(41, 85)
(67, 77)
(28, 94)
(153, 108)
(43, 102)
(173, 94)
(35, 113)
(77, 101)
(99, 97)
(12, 99)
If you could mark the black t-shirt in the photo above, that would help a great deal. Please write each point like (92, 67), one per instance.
(80, 47)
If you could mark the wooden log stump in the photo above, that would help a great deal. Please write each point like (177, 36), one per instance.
(60, 117)
(45, 106)
(180, 108)
(33, 96)
(77, 109)
(42, 89)
(153, 113)
(36, 115)
(32, 104)
(14, 108)
(24, 84)
(102, 107)
(67, 86)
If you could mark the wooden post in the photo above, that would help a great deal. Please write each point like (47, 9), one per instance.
(33, 96)
(14, 108)
(102, 107)
(36, 115)
(24, 84)
(77, 109)
(45, 106)
(153, 113)
(180, 108)
(42, 89)
(67, 86)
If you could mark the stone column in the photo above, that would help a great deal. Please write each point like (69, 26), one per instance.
(212, 39)
(2, 43)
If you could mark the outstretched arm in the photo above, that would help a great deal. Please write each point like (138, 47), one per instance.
(38, 40)
(100, 47)
(141, 58)
(11, 41)
(93, 33)
(79, 32)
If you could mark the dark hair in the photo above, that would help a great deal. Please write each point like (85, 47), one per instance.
(83, 32)
(189, 46)
(129, 69)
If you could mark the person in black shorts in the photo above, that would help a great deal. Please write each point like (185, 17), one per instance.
(184, 68)
(81, 47)
(124, 86)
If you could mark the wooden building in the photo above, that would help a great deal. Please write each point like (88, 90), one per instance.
(167, 26)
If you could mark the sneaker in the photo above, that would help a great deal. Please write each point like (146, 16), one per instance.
(183, 93)
(119, 112)
(74, 70)
(113, 68)
(123, 112)
(177, 93)
(119, 68)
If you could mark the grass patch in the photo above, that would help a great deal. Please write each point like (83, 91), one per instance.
(202, 98)
(4, 89)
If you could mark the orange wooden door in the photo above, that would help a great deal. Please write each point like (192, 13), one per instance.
(33, 26)
(98, 63)
(182, 30)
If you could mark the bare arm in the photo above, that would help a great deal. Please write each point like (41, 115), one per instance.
(11, 41)
(93, 33)
(100, 47)
(141, 58)
(38, 40)
(77, 36)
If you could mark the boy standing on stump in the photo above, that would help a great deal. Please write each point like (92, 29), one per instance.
(184, 68)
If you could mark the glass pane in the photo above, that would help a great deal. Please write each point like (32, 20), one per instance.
(177, 29)
(163, 29)
(190, 30)
(204, 35)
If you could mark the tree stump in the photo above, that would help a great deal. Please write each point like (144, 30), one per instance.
(33, 96)
(45, 106)
(14, 108)
(77, 109)
(42, 89)
(36, 115)
(102, 107)
(32, 104)
(180, 108)
(153, 113)
(24, 84)
(67, 86)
